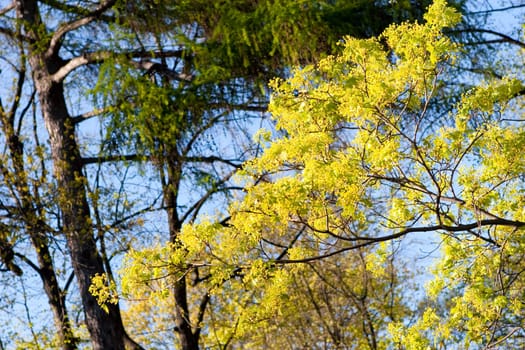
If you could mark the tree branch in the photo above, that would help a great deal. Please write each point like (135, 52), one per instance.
(291, 243)
(501, 9)
(56, 39)
(139, 212)
(200, 314)
(85, 116)
(163, 70)
(372, 240)
(100, 56)
(9, 33)
(19, 87)
(70, 9)
(7, 8)
(195, 208)
(136, 157)
(79, 61)
(503, 37)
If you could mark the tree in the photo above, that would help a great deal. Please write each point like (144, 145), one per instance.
(188, 54)
(168, 114)
(363, 159)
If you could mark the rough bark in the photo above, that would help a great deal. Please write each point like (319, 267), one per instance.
(105, 328)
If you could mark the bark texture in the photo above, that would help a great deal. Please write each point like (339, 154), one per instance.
(106, 328)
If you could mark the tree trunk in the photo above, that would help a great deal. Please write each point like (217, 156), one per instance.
(189, 339)
(105, 328)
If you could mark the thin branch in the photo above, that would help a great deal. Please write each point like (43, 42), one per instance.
(139, 212)
(29, 318)
(9, 33)
(70, 9)
(291, 243)
(213, 121)
(407, 183)
(136, 157)
(495, 345)
(30, 263)
(88, 115)
(24, 111)
(18, 92)
(200, 314)
(69, 281)
(447, 228)
(489, 42)
(212, 159)
(196, 207)
(59, 34)
(503, 37)
(501, 9)
(113, 158)
(163, 70)
(241, 107)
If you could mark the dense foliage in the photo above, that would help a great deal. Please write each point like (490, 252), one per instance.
(142, 200)
(363, 159)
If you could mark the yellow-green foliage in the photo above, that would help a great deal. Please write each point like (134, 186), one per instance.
(364, 159)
